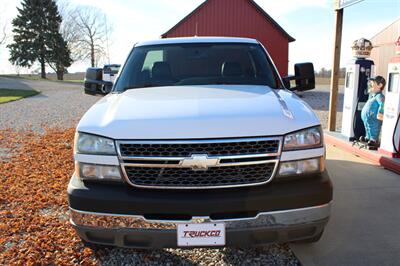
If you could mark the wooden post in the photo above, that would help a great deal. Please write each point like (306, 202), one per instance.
(335, 70)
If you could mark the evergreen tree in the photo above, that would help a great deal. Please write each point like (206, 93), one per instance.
(37, 37)
(59, 57)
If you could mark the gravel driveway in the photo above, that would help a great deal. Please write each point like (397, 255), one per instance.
(58, 105)
(62, 104)
(318, 99)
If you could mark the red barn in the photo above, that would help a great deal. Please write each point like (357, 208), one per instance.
(237, 18)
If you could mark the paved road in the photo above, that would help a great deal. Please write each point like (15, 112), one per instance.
(58, 105)
(365, 224)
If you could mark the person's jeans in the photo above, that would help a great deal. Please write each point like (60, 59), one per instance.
(372, 127)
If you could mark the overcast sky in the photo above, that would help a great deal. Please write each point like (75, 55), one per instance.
(310, 22)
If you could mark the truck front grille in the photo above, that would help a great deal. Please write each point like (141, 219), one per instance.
(212, 148)
(213, 177)
(199, 164)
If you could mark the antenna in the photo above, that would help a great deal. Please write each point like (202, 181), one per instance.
(108, 49)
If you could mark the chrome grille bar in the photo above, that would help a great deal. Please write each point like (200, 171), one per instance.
(177, 162)
(213, 147)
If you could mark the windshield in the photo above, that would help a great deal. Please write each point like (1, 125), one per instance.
(197, 64)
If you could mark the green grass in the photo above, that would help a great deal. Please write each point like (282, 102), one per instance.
(50, 77)
(70, 80)
(24, 76)
(8, 95)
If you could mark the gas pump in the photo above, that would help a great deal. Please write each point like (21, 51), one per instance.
(390, 138)
(358, 70)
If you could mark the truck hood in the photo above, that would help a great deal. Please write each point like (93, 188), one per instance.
(198, 112)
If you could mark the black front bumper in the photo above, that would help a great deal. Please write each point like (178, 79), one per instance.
(157, 239)
(121, 215)
(169, 204)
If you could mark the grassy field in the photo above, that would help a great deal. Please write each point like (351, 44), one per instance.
(73, 77)
(327, 81)
(8, 95)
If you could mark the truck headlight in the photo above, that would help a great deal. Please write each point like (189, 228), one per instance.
(303, 139)
(301, 167)
(94, 172)
(91, 144)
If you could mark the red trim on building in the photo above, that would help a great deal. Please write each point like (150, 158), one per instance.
(395, 59)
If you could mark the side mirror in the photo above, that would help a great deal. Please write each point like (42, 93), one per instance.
(306, 74)
(93, 80)
(304, 77)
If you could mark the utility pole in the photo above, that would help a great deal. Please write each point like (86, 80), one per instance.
(339, 6)
(108, 49)
(335, 70)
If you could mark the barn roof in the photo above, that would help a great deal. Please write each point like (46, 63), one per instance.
(262, 11)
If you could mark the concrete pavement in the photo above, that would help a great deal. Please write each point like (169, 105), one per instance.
(364, 228)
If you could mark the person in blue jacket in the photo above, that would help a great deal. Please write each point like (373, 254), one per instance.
(372, 112)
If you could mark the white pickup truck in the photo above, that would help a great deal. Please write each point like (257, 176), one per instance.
(200, 143)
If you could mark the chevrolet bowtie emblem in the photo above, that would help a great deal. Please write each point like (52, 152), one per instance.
(199, 162)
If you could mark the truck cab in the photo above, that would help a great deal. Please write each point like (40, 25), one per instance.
(110, 72)
(200, 143)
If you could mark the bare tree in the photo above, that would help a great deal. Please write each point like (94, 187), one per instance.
(69, 29)
(3, 27)
(3, 34)
(87, 34)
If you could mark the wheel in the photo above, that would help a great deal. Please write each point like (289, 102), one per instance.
(309, 240)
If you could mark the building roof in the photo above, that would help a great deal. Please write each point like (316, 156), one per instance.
(198, 40)
(262, 11)
(395, 25)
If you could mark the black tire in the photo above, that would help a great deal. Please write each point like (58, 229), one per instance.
(309, 240)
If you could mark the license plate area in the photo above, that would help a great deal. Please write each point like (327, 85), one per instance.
(201, 234)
